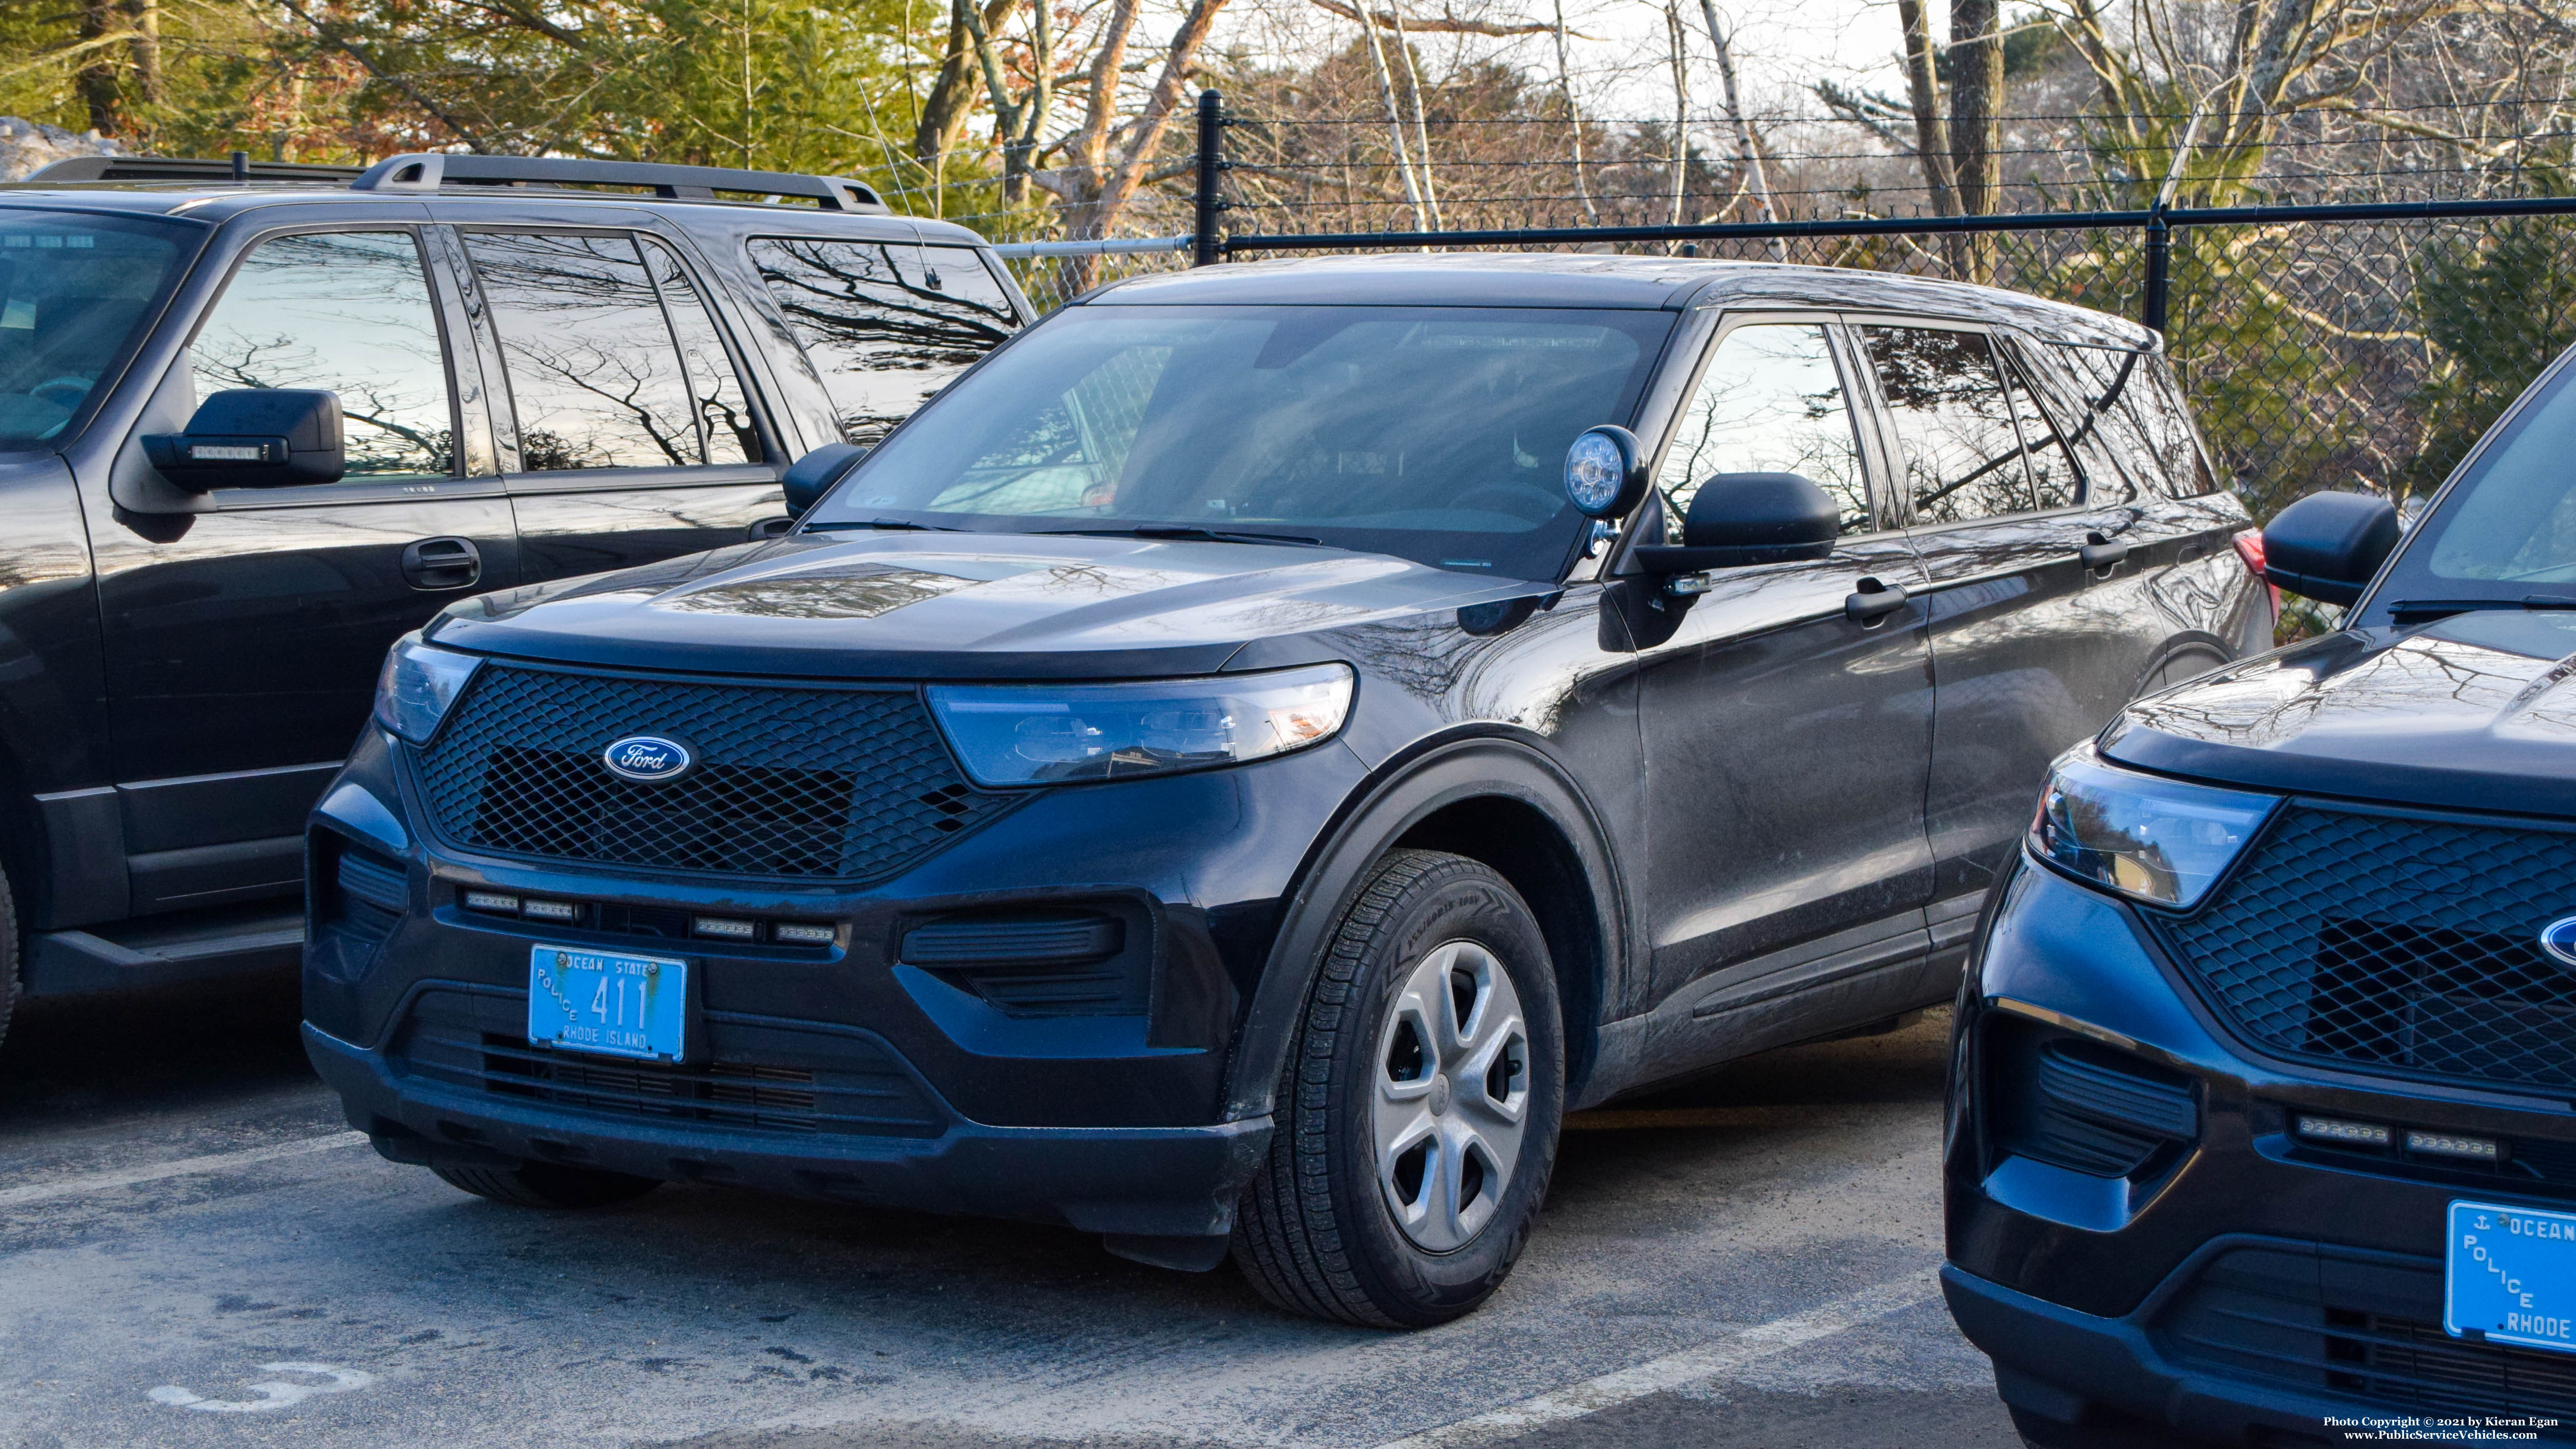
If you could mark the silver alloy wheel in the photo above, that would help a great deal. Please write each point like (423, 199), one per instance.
(1451, 1099)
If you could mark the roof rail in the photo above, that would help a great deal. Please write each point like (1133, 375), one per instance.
(184, 168)
(430, 170)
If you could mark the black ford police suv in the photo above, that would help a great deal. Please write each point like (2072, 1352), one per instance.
(1237, 766)
(255, 424)
(2260, 1124)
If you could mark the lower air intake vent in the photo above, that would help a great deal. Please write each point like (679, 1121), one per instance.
(2087, 1108)
(1030, 964)
(765, 1075)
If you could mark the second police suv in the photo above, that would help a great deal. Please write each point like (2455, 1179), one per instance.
(2260, 1115)
(1233, 770)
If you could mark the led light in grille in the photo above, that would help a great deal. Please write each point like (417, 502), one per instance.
(2343, 1134)
(723, 929)
(552, 911)
(800, 933)
(491, 901)
(2447, 1144)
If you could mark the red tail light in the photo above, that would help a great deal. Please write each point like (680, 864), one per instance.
(2249, 547)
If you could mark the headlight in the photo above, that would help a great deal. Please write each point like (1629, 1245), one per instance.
(2157, 840)
(419, 683)
(1031, 734)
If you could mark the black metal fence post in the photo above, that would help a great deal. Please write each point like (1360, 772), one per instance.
(2159, 267)
(1205, 249)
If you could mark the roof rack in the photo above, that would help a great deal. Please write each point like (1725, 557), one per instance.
(186, 168)
(430, 171)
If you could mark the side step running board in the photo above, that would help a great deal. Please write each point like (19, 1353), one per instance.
(75, 963)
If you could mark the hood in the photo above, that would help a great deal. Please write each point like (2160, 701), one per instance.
(2475, 711)
(959, 606)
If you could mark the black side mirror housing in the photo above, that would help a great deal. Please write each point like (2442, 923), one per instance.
(813, 475)
(2328, 545)
(1738, 519)
(255, 437)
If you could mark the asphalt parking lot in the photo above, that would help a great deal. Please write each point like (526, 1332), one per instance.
(195, 1251)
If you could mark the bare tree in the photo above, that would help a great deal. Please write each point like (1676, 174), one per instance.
(1107, 158)
(1573, 116)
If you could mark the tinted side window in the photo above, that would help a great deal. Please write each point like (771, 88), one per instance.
(2141, 412)
(723, 415)
(2053, 479)
(1770, 401)
(1962, 459)
(2156, 400)
(882, 337)
(350, 313)
(595, 378)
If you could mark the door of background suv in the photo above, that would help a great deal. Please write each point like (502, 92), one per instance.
(242, 640)
(2032, 650)
(626, 433)
(1786, 745)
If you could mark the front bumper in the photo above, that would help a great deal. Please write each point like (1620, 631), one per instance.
(864, 1069)
(1148, 1182)
(2241, 1284)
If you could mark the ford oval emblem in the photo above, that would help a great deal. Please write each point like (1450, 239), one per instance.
(649, 758)
(2558, 938)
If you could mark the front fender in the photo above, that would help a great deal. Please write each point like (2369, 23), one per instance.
(1398, 797)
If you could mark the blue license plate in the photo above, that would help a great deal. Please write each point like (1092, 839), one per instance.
(599, 1001)
(2509, 1273)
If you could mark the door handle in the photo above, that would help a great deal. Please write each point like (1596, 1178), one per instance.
(1871, 601)
(438, 564)
(2100, 553)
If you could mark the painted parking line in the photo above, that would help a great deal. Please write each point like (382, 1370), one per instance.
(181, 1167)
(1615, 1119)
(1673, 1371)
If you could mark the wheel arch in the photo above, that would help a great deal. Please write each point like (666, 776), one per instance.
(1497, 800)
(2176, 648)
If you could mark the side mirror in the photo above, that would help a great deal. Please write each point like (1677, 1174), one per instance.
(1738, 519)
(1605, 473)
(813, 475)
(254, 437)
(2327, 545)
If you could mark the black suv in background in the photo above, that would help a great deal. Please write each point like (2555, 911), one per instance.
(2260, 1124)
(254, 429)
(1257, 749)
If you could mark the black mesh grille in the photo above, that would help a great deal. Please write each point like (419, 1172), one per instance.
(2396, 944)
(2364, 1331)
(799, 782)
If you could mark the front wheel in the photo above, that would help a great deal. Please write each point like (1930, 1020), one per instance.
(1418, 1111)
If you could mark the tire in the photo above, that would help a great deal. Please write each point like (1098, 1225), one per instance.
(547, 1185)
(12, 951)
(1381, 1108)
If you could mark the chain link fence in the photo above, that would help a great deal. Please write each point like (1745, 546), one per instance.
(2340, 345)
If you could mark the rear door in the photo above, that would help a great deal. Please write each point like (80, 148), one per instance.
(243, 628)
(626, 433)
(2032, 650)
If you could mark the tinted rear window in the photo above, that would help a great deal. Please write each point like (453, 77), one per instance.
(2140, 410)
(885, 326)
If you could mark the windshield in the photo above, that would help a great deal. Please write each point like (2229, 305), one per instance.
(72, 290)
(1434, 433)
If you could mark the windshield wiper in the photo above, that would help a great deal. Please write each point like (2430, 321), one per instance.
(905, 523)
(1179, 530)
(2464, 606)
